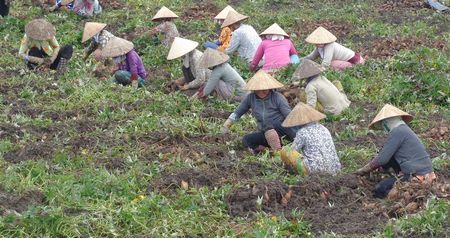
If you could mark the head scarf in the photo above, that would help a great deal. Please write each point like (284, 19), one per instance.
(392, 122)
(274, 37)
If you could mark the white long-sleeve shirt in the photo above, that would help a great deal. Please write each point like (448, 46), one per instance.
(245, 40)
(332, 51)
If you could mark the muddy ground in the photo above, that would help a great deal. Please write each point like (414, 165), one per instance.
(10, 202)
(343, 204)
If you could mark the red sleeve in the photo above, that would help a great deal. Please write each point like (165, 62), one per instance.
(258, 54)
(292, 50)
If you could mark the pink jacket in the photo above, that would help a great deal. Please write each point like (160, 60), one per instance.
(277, 53)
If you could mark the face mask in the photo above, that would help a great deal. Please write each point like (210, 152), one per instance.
(119, 59)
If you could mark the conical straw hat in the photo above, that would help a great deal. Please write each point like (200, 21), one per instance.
(274, 29)
(65, 2)
(40, 29)
(389, 111)
(212, 57)
(91, 29)
(307, 68)
(232, 18)
(180, 47)
(223, 14)
(262, 81)
(116, 47)
(302, 114)
(164, 12)
(321, 36)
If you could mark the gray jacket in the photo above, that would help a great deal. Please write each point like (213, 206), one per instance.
(269, 111)
(405, 147)
(227, 74)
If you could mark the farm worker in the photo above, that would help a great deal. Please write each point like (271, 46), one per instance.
(40, 47)
(333, 54)
(99, 38)
(403, 151)
(194, 75)
(165, 16)
(320, 92)
(276, 48)
(313, 147)
(83, 8)
(244, 39)
(270, 108)
(225, 34)
(130, 69)
(224, 79)
(4, 7)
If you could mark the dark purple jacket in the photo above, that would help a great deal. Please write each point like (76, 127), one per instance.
(134, 65)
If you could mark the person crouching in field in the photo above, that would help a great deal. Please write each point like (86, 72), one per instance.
(313, 149)
(333, 54)
(99, 37)
(165, 16)
(130, 69)
(224, 79)
(225, 33)
(39, 47)
(83, 8)
(194, 76)
(270, 108)
(4, 7)
(403, 151)
(244, 39)
(277, 49)
(320, 92)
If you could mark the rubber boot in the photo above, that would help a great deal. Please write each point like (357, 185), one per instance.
(273, 139)
(61, 68)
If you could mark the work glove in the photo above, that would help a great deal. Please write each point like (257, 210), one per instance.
(226, 126)
(273, 139)
(291, 158)
(253, 67)
(295, 59)
(135, 84)
(369, 167)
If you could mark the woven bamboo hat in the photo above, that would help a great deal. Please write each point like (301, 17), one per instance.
(262, 81)
(274, 29)
(180, 47)
(65, 2)
(164, 12)
(232, 18)
(321, 36)
(389, 111)
(91, 29)
(223, 14)
(212, 57)
(40, 29)
(302, 114)
(116, 47)
(307, 68)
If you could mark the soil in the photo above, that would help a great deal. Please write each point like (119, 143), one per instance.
(341, 29)
(399, 5)
(31, 151)
(113, 4)
(201, 10)
(10, 203)
(342, 204)
(388, 47)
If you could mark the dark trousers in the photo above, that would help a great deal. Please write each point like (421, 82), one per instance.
(65, 52)
(253, 140)
(4, 8)
(187, 73)
(383, 188)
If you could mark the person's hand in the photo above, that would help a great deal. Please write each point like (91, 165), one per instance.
(364, 170)
(52, 8)
(184, 88)
(226, 126)
(35, 60)
(225, 130)
(253, 67)
(135, 84)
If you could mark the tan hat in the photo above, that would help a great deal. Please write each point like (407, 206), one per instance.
(212, 57)
(274, 29)
(302, 114)
(164, 12)
(116, 46)
(65, 2)
(262, 81)
(389, 111)
(180, 47)
(91, 29)
(40, 29)
(321, 36)
(307, 68)
(223, 14)
(232, 18)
